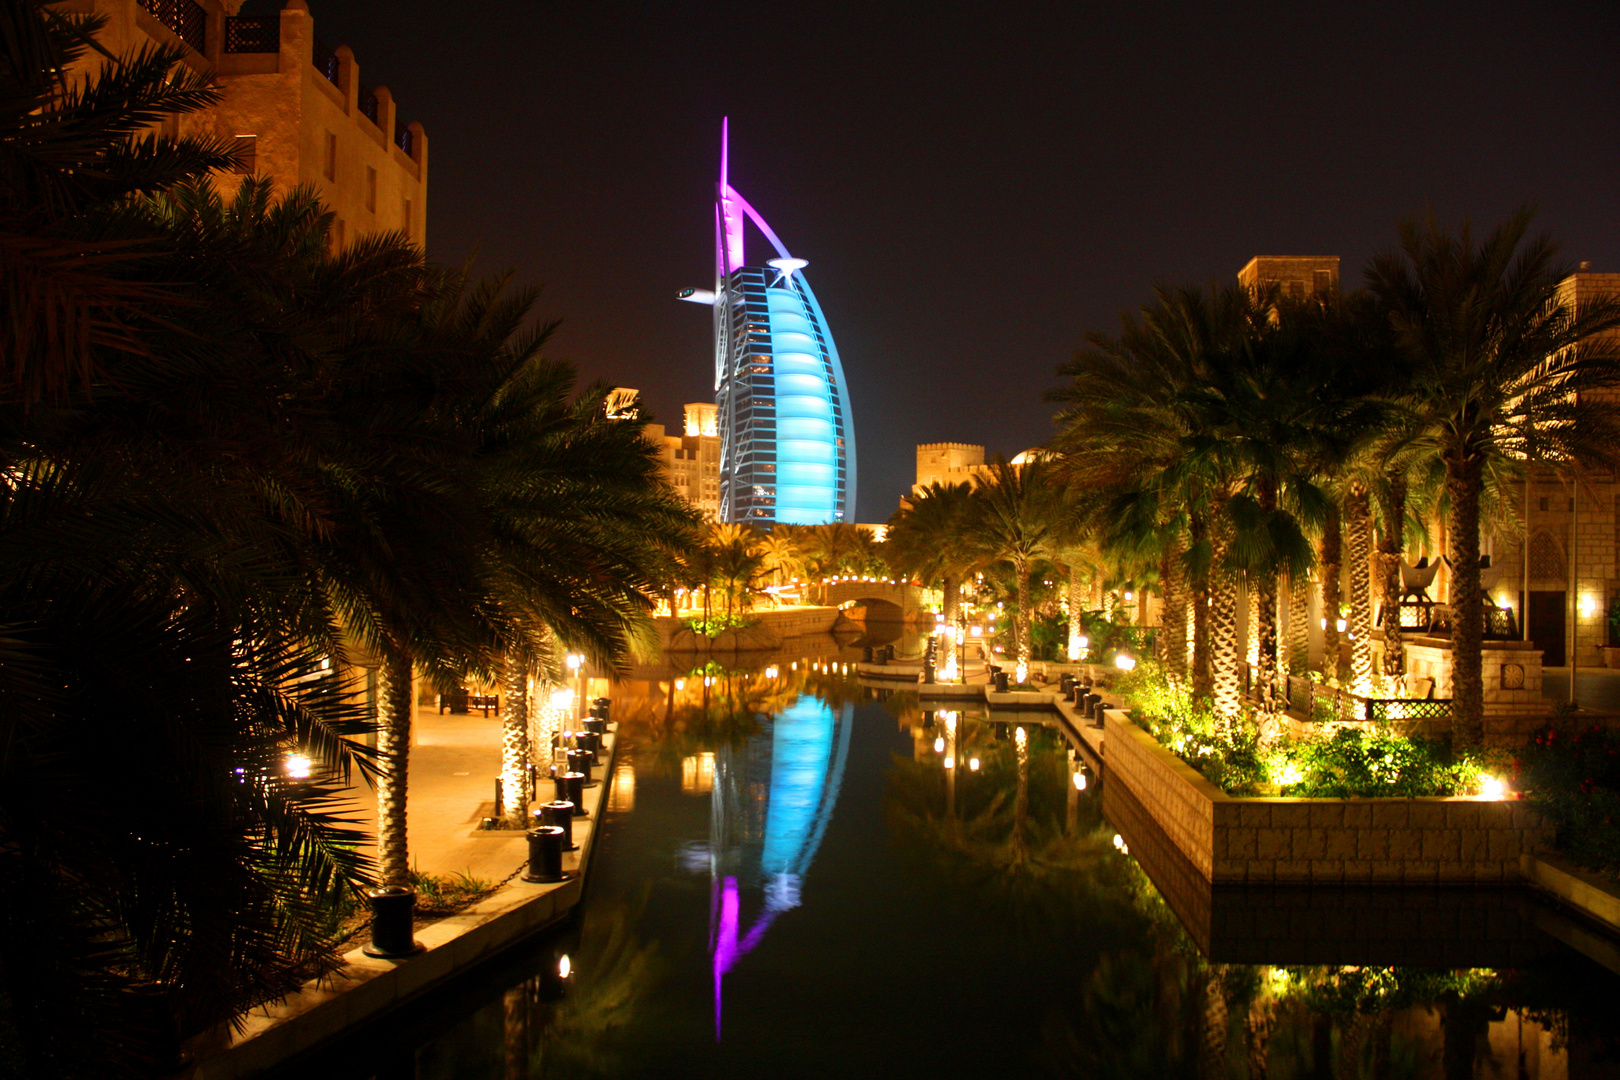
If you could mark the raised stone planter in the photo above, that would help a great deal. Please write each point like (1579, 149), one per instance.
(1231, 840)
(769, 630)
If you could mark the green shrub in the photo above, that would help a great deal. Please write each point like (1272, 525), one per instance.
(717, 624)
(1572, 775)
(1352, 763)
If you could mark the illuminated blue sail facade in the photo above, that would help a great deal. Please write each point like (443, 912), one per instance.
(787, 440)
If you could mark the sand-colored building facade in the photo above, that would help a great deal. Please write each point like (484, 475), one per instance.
(298, 111)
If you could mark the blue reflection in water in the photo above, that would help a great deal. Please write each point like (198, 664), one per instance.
(801, 776)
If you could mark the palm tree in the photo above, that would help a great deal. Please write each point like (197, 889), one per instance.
(1017, 519)
(1504, 366)
(926, 540)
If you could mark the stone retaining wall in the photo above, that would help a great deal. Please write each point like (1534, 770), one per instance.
(1330, 841)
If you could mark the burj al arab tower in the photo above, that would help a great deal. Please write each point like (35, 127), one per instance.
(787, 439)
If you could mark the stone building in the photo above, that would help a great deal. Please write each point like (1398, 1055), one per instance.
(297, 109)
(948, 463)
(691, 460)
(1296, 276)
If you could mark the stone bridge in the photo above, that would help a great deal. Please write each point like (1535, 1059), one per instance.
(883, 599)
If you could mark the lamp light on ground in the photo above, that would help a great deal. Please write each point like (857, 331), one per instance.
(1290, 774)
(1491, 787)
(297, 766)
(1023, 672)
(1125, 662)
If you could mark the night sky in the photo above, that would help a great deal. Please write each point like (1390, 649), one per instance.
(976, 187)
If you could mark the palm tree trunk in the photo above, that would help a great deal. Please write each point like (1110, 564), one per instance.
(1203, 682)
(1358, 523)
(1332, 553)
(951, 590)
(1173, 632)
(1299, 625)
(394, 706)
(1021, 626)
(1251, 622)
(1463, 482)
(1257, 1036)
(1265, 672)
(1212, 1033)
(1223, 632)
(1391, 548)
(515, 744)
(1077, 626)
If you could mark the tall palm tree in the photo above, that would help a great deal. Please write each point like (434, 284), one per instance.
(926, 539)
(1017, 519)
(1505, 365)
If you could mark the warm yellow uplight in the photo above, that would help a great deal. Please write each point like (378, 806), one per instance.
(950, 763)
(1491, 787)
(297, 766)
(1080, 781)
(1125, 662)
(973, 764)
(939, 745)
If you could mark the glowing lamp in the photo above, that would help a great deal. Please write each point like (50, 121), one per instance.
(1125, 662)
(973, 764)
(574, 661)
(1080, 781)
(1075, 651)
(1023, 672)
(297, 766)
(939, 745)
(565, 967)
(563, 697)
(950, 763)
(1342, 624)
(1492, 788)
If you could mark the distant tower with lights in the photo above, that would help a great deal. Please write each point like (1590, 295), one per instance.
(787, 440)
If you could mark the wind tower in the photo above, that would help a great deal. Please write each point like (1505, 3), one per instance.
(787, 438)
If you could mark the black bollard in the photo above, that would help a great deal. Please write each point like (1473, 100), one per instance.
(591, 743)
(1001, 678)
(559, 787)
(580, 761)
(392, 907)
(596, 726)
(560, 814)
(576, 792)
(1066, 684)
(545, 855)
(866, 654)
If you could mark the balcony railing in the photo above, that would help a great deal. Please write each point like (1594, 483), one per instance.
(325, 61)
(252, 33)
(185, 17)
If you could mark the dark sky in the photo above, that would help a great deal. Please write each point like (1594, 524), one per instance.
(976, 186)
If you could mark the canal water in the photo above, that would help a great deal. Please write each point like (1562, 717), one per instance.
(802, 876)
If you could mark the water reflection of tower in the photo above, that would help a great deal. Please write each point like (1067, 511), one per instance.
(768, 811)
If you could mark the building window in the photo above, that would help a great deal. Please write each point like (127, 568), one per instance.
(330, 164)
(247, 155)
(1546, 557)
(1294, 290)
(371, 189)
(1322, 281)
